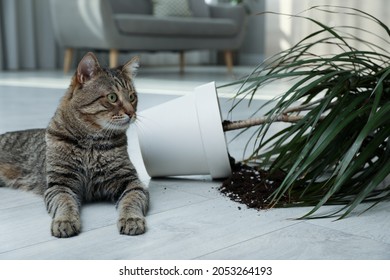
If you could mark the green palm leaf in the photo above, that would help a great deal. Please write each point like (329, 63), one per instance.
(339, 150)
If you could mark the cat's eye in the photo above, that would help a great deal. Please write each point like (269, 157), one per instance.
(132, 97)
(112, 97)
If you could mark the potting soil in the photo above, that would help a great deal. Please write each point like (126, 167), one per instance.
(252, 187)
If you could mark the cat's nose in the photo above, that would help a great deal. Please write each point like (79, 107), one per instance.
(130, 112)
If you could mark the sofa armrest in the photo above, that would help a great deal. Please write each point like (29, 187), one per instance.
(236, 13)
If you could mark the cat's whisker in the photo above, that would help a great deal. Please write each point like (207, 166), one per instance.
(110, 130)
(138, 122)
(140, 119)
(104, 131)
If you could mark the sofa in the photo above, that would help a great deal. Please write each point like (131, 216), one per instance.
(137, 25)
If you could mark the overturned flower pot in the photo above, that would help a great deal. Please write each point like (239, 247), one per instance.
(185, 136)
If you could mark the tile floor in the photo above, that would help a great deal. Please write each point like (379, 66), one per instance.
(189, 218)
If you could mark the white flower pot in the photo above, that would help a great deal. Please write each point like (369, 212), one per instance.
(185, 136)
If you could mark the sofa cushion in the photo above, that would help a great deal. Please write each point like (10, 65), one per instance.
(166, 8)
(175, 26)
(131, 6)
(199, 8)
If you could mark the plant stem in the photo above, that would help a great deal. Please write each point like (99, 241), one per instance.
(233, 125)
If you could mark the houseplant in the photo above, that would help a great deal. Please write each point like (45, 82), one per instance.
(337, 148)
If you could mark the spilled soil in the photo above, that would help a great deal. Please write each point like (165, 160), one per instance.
(252, 187)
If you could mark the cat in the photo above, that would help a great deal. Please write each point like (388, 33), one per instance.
(82, 155)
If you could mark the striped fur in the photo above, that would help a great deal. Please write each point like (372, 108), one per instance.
(82, 154)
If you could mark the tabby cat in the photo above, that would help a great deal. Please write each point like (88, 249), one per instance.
(82, 154)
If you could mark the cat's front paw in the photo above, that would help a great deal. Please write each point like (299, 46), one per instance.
(131, 225)
(62, 228)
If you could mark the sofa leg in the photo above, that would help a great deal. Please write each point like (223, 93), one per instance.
(114, 54)
(229, 60)
(68, 59)
(182, 62)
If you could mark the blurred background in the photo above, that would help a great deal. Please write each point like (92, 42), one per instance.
(28, 42)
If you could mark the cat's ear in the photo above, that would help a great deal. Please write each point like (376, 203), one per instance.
(131, 67)
(87, 68)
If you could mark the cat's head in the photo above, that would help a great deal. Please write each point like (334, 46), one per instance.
(105, 99)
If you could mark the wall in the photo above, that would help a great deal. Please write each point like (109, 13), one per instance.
(283, 31)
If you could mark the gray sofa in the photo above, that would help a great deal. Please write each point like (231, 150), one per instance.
(129, 25)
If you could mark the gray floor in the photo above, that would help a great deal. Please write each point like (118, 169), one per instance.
(189, 218)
